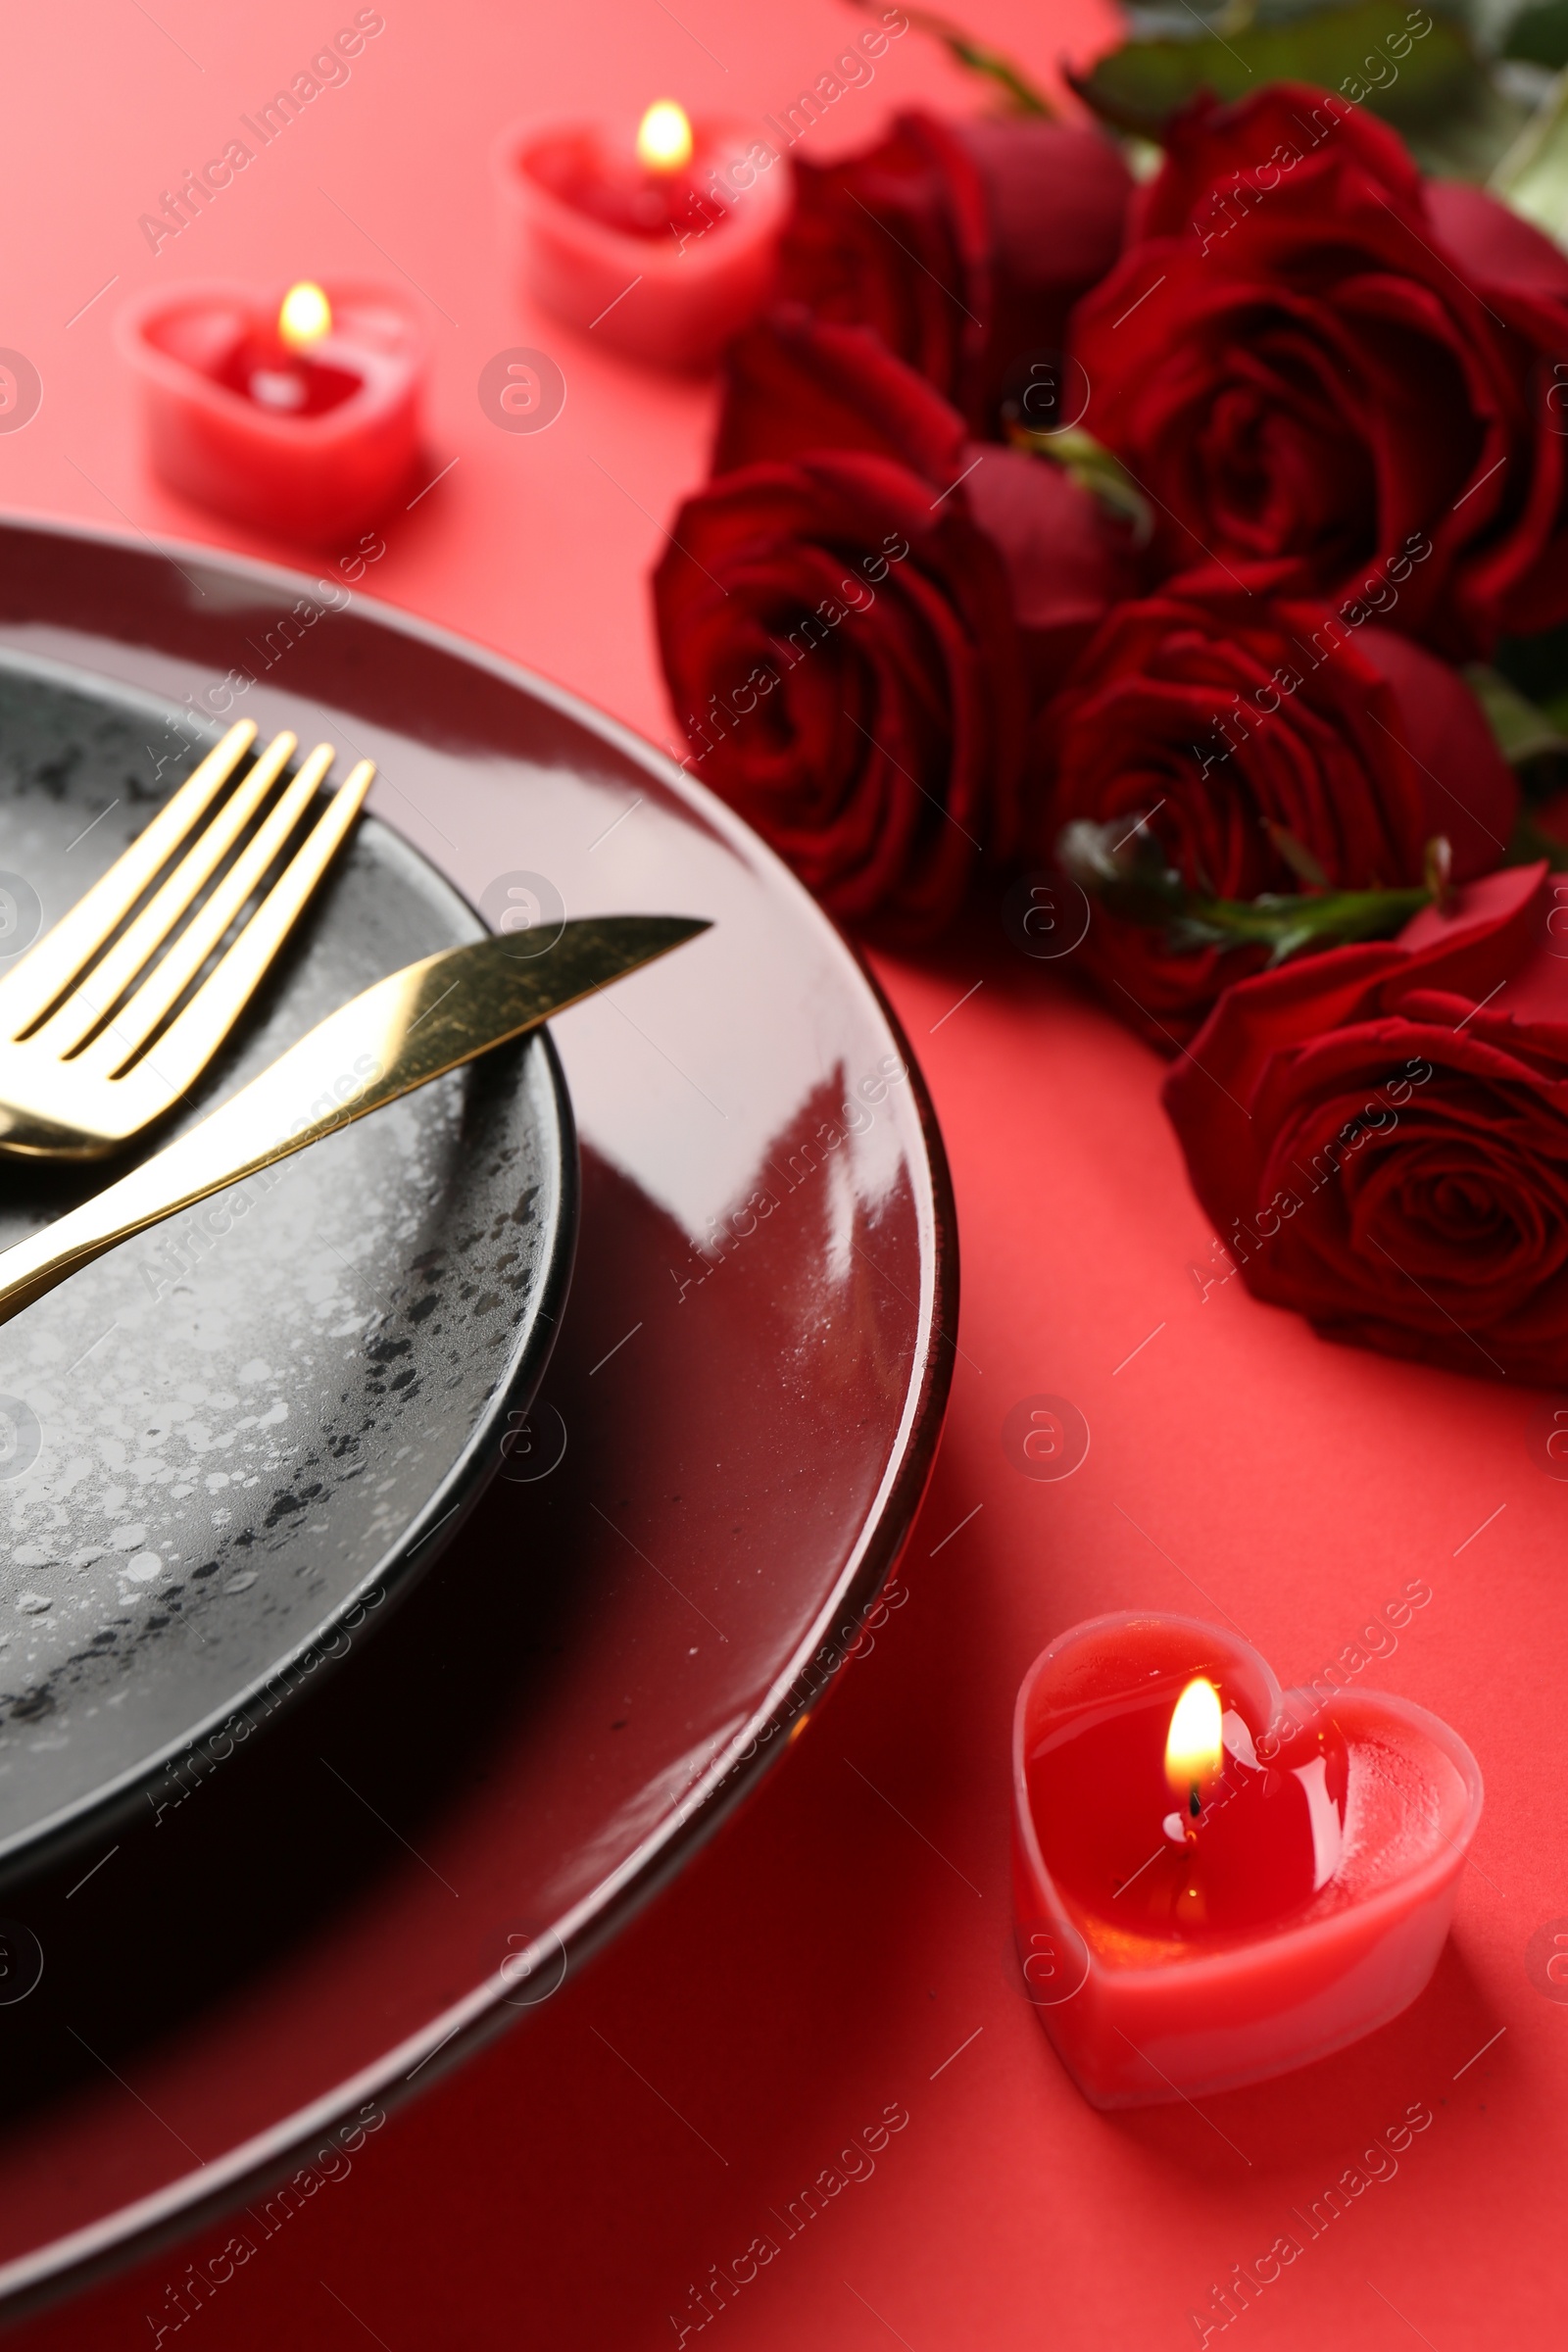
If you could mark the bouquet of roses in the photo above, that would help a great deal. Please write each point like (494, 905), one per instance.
(1185, 513)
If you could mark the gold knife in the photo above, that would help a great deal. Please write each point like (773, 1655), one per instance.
(394, 1037)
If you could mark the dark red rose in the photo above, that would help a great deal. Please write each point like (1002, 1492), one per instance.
(962, 244)
(845, 644)
(1380, 1134)
(1231, 721)
(795, 385)
(1313, 360)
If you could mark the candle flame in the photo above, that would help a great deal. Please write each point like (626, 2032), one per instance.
(305, 315)
(664, 137)
(1194, 1748)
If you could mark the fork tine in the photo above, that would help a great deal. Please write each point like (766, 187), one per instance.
(136, 1020)
(195, 1037)
(46, 970)
(103, 987)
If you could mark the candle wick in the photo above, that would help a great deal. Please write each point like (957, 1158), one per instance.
(1193, 1806)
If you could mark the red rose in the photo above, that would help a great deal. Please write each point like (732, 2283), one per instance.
(1309, 355)
(843, 636)
(962, 244)
(1231, 721)
(1380, 1134)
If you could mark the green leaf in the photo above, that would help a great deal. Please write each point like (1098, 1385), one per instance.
(1538, 666)
(1522, 730)
(1538, 37)
(1469, 140)
(1094, 469)
(1355, 51)
(1530, 842)
(1533, 175)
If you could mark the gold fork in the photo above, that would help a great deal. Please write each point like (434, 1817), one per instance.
(78, 1074)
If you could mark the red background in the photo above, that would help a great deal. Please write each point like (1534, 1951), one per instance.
(839, 1941)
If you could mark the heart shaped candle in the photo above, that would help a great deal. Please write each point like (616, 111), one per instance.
(659, 238)
(302, 418)
(1215, 1881)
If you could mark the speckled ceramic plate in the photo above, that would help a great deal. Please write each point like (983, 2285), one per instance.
(222, 1450)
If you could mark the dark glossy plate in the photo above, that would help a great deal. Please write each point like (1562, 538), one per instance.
(735, 1432)
(219, 1441)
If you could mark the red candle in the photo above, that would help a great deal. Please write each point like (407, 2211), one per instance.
(1214, 1882)
(302, 418)
(660, 239)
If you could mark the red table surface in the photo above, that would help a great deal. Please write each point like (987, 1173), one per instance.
(843, 1946)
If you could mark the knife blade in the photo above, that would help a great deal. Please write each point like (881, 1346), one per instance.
(414, 1026)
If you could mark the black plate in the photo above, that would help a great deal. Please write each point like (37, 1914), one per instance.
(221, 1451)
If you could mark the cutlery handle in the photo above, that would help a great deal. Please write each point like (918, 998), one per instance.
(397, 1036)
